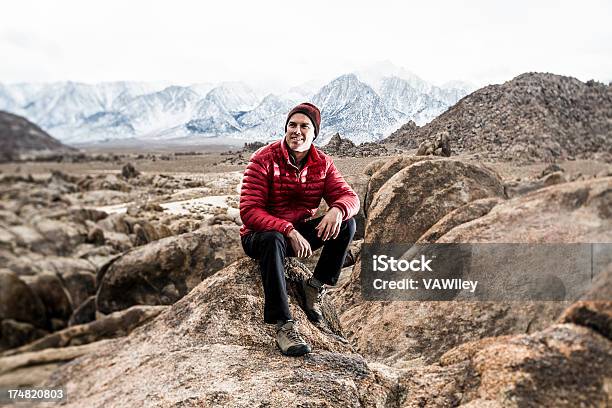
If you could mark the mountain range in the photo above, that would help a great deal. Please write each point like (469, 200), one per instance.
(363, 107)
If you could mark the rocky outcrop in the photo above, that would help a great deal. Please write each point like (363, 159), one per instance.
(19, 137)
(533, 117)
(339, 147)
(117, 324)
(128, 171)
(213, 349)
(22, 314)
(438, 146)
(561, 366)
(466, 213)
(162, 272)
(569, 212)
(373, 167)
(49, 289)
(209, 349)
(594, 310)
(34, 368)
(404, 132)
(421, 194)
(382, 171)
(53, 243)
(551, 175)
(596, 315)
(407, 334)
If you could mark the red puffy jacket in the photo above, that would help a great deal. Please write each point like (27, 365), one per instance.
(276, 194)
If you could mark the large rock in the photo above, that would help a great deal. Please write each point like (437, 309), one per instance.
(128, 171)
(461, 215)
(77, 276)
(34, 368)
(14, 333)
(373, 167)
(594, 310)
(23, 263)
(22, 313)
(29, 238)
(213, 349)
(416, 333)
(140, 229)
(597, 315)
(50, 290)
(18, 301)
(383, 170)
(418, 196)
(438, 146)
(64, 266)
(80, 285)
(84, 313)
(64, 236)
(121, 223)
(571, 212)
(546, 179)
(117, 324)
(49, 236)
(561, 366)
(163, 271)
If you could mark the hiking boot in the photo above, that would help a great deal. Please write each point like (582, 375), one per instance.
(289, 340)
(311, 300)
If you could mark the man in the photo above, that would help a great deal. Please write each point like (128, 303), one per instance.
(282, 187)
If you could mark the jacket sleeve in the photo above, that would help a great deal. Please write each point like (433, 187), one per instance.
(254, 197)
(337, 193)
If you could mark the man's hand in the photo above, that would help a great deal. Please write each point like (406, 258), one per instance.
(329, 227)
(300, 245)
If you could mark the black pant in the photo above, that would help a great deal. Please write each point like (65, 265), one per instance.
(271, 248)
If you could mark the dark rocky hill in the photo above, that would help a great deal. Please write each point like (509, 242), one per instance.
(19, 137)
(533, 117)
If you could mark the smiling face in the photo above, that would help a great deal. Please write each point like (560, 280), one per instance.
(300, 133)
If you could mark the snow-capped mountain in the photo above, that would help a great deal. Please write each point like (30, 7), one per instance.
(216, 115)
(212, 116)
(64, 104)
(234, 97)
(270, 106)
(350, 107)
(24, 93)
(420, 107)
(378, 75)
(160, 110)
(375, 74)
(7, 102)
(202, 88)
(364, 106)
(100, 127)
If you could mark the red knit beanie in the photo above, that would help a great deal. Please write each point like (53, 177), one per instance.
(308, 109)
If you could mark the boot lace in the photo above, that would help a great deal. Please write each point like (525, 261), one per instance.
(321, 293)
(293, 335)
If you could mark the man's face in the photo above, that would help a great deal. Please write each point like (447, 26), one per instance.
(300, 132)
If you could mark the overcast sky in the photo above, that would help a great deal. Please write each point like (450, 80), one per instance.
(287, 43)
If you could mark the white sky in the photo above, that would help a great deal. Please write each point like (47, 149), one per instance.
(281, 43)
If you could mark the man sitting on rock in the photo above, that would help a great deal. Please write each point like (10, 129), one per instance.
(282, 187)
